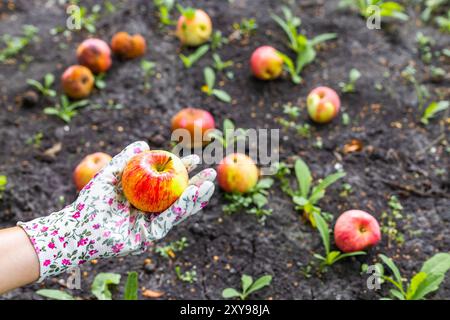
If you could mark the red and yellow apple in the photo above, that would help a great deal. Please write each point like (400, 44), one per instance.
(89, 167)
(153, 180)
(266, 63)
(77, 82)
(94, 54)
(128, 46)
(194, 27)
(323, 104)
(197, 122)
(237, 173)
(356, 230)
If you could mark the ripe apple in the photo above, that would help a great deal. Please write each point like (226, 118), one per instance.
(153, 180)
(197, 122)
(127, 46)
(89, 167)
(77, 82)
(323, 104)
(194, 27)
(94, 54)
(356, 230)
(237, 173)
(266, 63)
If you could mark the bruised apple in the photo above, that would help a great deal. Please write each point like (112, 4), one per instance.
(237, 173)
(194, 27)
(77, 82)
(323, 104)
(197, 122)
(89, 167)
(94, 54)
(266, 63)
(153, 180)
(128, 46)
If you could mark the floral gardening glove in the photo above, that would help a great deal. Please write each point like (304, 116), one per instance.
(101, 223)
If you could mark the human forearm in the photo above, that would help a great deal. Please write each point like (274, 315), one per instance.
(19, 263)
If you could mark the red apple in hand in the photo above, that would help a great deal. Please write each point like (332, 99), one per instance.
(356, 230)
(266, 63)
(323, 104)
(194, 27)
(197, 122)
(89, 167)
(237, 173)
(94, 54)
(153, 180)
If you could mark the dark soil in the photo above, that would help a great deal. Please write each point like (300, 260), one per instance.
(400, 157)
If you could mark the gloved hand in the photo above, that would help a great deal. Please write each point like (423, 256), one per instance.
(101, 223)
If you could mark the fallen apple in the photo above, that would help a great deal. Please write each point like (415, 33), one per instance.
(128, 46)
(194, 27)
(323, 104)
(356, 230)
(153, 180)
(89, 167)
(94, 54)
(77, 82)
(197, 122)
(266, 63)
(237, 173)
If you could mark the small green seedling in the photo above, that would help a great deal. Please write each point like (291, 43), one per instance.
(350, 86)
(219, 64)
(45, 87)
(366, 8)
(3, 184)
(164, 9)
(190, 60)
(444, 22)
(248, 287)
(149, 70)
(100, 82)
(245, 28)
(305, 197)
(254, 201)
(303, 47)
(189, 276)
(66, 110)
(131, 286)
(208, 88)
(169, 250)
(426, 281)
(230, 134)
(218, 40)
(101, 283)
(432, 109)
(14, 45)
(425, 43)
(431, 6)
(55, 294)
(409, 74)
(389, 221)
(331, 257)
(35, 140)
(89, 19)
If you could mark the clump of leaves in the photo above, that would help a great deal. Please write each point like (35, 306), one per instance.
(230, 134)
(431, 6)
(3, 184)
(253, 202)
(169, 250)
(425, 42)
(350, 86)
(190, 60)
(432, 109)
(45, 87)
(164, 9)
(306, 196)
(302, 129)
(331, 257)
(366, 8)
(389, 221)
(14, 45)
(248, 287)
(148, 69)
(189, 276)
(245, 28)
(210, 82)
(303, 47)
(426, 281)
(89, 18)
(66, 110)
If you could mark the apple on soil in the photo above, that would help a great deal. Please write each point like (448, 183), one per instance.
(128, 46)
(153, 180)
(94, 54)
(323, 104)
(237, 173)
(197, 122)
(266, 63)
(77, 82)
(89, 167)
(356, 230)
(194, 27)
